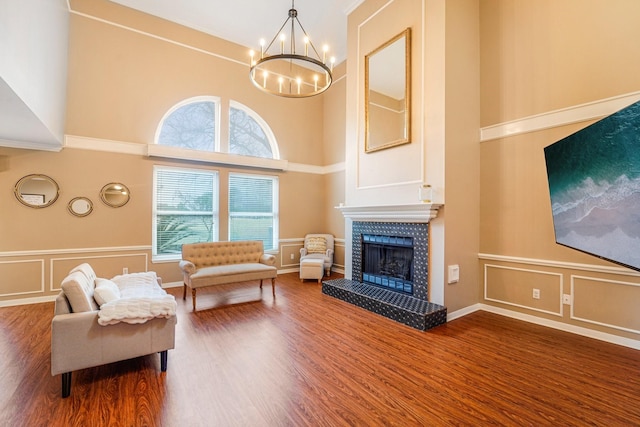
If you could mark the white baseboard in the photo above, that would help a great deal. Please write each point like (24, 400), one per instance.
(578, 330)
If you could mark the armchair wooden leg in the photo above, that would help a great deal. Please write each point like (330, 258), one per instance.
(66, 384)
(163, 360)
(184, 291)
(273, 287)
(193, 298)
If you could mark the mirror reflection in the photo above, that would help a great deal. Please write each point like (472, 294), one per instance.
(387, 94)
(80, 206)
(36, 191)
(115, 194)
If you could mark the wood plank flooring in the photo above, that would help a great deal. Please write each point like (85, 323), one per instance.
(306, 359)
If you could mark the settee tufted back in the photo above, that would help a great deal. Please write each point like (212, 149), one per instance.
(209, 254)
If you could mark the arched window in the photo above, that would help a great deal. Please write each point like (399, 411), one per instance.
(192, 124)
(195, 124)
(249, 134)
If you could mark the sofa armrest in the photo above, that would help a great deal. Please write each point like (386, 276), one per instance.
(329, 253)
(303, 252)
(268, 259)
(187, 267)
(74, 341)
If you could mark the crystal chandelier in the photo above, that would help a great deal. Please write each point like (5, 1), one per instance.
(287, 73)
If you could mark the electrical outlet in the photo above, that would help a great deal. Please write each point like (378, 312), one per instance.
(292, 257)
(125, 270)
(536, 294)
(566, 299)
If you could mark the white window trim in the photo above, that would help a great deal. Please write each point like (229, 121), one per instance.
(265, 127)
(276, 205)
(154, 218)
(192, 100)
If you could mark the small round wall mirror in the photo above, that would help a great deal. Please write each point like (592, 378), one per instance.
(115, 194)
(80, 206)
(36, 191)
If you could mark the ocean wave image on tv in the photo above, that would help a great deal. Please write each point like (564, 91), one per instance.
(594, 184)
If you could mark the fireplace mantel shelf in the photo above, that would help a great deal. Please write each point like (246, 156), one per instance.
(420, 212)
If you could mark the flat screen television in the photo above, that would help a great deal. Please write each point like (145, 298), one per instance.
(594, 185)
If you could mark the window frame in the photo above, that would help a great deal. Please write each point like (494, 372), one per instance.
(275, 212)
(217, 120)
(261, 122)
(154, 220)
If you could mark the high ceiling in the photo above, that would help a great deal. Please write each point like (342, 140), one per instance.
(247, 21)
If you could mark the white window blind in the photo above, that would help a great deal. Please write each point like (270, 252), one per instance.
(185, 209)
(253, 208)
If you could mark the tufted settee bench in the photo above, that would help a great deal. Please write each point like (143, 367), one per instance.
(217, 263)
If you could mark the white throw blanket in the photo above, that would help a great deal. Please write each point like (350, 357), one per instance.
(141, 299)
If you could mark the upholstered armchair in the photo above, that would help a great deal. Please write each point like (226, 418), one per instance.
(318, 246)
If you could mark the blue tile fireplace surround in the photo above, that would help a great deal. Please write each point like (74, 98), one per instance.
(403, 299)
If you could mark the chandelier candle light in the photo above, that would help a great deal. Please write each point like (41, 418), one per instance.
(287, 73)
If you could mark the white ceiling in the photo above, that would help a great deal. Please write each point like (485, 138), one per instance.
(247, 21)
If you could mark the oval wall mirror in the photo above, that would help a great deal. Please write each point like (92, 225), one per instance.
(115, 194)
(36, 191)
(80, 206)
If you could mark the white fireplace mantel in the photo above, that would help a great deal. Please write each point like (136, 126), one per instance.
(420, 212)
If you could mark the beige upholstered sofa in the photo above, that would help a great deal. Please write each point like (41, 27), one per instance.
(217, 263)
(95, 325)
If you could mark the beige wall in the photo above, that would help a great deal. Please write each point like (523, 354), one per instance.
(538, 57)
(126, 69)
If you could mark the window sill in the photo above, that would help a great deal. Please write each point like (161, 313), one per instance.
(154, 150)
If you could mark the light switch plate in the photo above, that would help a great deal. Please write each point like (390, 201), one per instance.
(454, 274)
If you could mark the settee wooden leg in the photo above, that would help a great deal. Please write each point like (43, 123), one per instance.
(260, 283)
(66, 384)
(163, 360)
(193, 298)
(273, 287)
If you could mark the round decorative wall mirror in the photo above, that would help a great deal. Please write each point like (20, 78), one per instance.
(36, 191)
(115, 194)
(80, 206)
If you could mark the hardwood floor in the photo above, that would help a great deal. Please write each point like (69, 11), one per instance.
(306, 359)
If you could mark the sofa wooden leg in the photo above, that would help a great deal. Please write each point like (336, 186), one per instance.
(66, 384)
(273, 287)
(193, 298)
(260, 283)
(163, 360)
(184, 291)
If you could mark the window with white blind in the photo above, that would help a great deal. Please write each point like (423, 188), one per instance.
(185, 209)
(253, 208)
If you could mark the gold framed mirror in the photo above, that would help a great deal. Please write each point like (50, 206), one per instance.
(80, 206)
(36, 191)
(115, 194)
(387, 94)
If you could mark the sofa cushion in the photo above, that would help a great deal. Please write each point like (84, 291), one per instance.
(87, 270)
(105, 291)
(316, 245)
(79, 291)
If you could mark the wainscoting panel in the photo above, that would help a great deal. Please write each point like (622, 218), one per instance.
(514, 286)
(602, 299)
(105, 266)
(35, 276)
(611, 303)
(21, 278)
(289, 249)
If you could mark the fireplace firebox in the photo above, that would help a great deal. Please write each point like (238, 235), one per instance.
(387, 261)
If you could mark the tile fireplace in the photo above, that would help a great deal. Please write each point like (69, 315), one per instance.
(389, 268)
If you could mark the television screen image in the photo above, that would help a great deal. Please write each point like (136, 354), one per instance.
(594, 185)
